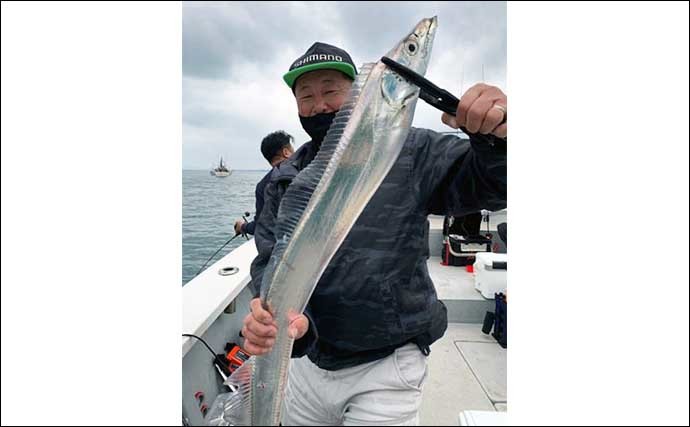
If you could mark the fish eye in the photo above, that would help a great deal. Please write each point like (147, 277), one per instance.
(412, 47)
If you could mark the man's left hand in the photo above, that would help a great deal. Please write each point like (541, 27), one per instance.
(482, 109)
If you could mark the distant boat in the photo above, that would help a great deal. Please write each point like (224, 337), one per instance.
(221, 171)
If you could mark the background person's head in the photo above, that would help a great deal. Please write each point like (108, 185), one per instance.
(320, 80)
(276, 147)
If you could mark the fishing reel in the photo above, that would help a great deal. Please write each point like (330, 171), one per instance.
(245, 217)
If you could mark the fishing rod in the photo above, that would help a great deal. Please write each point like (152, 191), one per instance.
(244, 217)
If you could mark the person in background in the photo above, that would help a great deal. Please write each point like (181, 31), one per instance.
(275, 147)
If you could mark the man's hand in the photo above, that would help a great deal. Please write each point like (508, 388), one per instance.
(260, 329)
(482, 109)
(238, 226)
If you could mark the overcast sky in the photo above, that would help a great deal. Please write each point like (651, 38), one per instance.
(235, 54)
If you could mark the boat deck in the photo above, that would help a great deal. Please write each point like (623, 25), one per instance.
(467, 369)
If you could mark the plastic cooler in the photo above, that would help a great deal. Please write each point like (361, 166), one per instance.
(490, 273)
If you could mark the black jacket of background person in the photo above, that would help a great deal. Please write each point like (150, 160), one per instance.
(376, 294)
(249, 227)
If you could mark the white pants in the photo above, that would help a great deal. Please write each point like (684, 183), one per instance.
(387, 392)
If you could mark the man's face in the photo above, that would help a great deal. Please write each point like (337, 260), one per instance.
(321, 91)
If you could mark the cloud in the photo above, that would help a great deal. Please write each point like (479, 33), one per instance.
(234, 56)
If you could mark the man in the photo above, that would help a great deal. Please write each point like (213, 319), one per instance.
(374, 313)
(275, 147)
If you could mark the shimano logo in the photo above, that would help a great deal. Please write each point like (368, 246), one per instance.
(319, 58)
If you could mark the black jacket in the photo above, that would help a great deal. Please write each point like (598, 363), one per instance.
(249, 227)
(376, 293)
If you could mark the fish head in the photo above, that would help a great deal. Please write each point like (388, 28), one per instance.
(414, 52)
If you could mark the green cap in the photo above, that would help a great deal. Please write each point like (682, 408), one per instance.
(320, 56)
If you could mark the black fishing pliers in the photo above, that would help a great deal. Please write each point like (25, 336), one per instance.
(433, 95)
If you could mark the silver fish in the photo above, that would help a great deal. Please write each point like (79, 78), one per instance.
(318, 210)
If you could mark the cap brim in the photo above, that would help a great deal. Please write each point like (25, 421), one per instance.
(291, 76)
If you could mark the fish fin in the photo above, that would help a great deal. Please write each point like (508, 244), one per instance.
(234, 408)
(301, 189)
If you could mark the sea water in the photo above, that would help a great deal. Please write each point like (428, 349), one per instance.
(210, 207)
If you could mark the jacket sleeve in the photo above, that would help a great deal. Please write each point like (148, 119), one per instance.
(263, 233)
(265, 240)
(249, 227)
(457, 177)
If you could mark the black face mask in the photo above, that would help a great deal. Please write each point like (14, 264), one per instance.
(317, 126)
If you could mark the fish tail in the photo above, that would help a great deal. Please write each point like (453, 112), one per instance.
(234, 408)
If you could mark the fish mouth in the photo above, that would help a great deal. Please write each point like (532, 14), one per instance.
(432, 25)
(431, 31)
(426, 32)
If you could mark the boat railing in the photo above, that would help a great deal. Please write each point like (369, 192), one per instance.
(206, 296)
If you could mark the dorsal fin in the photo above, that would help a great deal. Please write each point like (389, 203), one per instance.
(301, 189)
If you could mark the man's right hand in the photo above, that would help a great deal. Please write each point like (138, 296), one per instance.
(238, 226)
(482, 109)
(260, 330)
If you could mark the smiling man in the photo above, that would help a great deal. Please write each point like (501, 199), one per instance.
(368, 326)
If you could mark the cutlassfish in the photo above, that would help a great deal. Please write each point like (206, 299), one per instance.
(318, 210)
